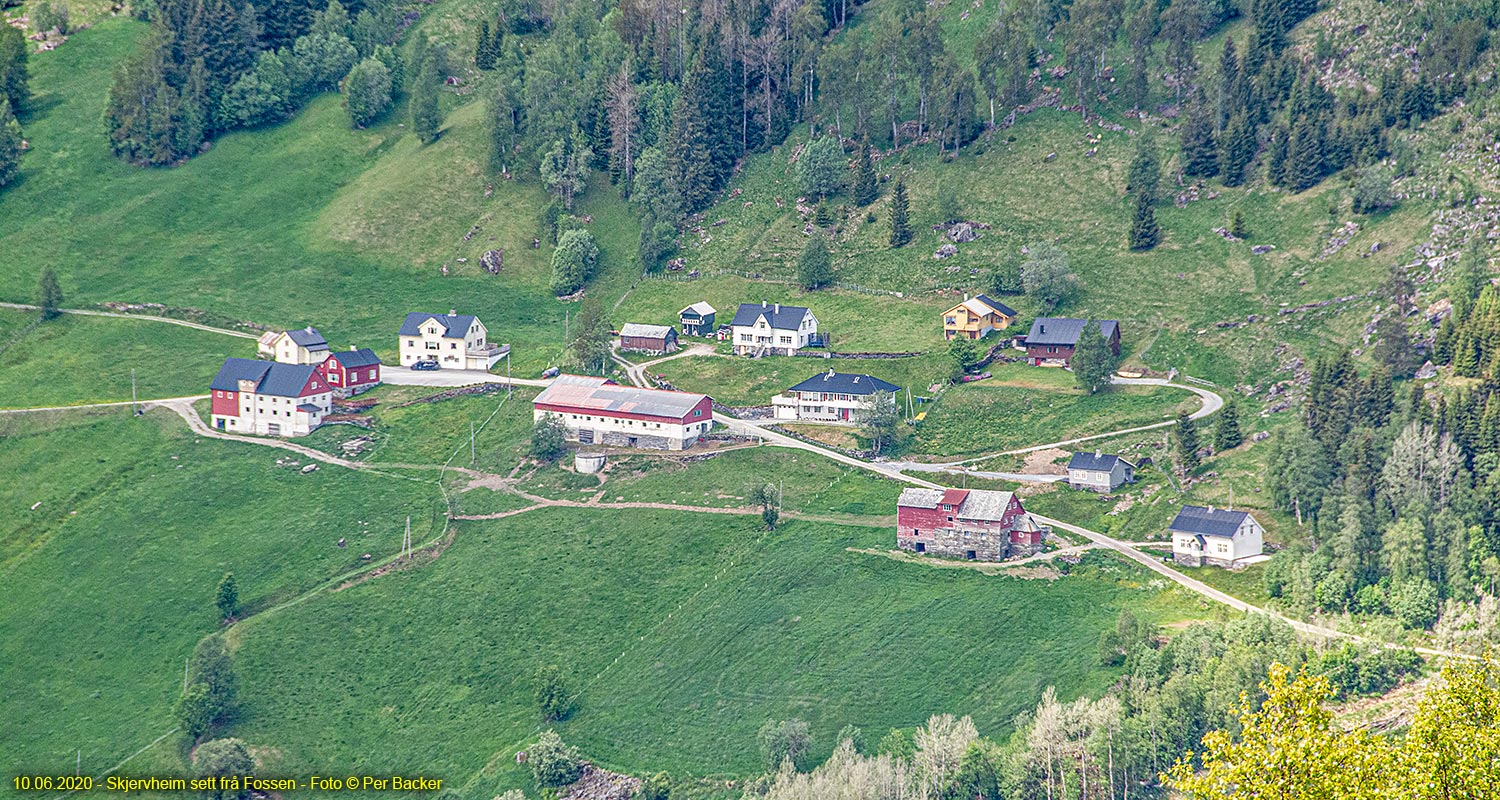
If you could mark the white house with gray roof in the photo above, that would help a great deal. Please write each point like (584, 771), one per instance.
(1099, 471)
(1215, 536)
(301, 346)
(772, 329)
(452, 340)
(830, 396)
(269, 398)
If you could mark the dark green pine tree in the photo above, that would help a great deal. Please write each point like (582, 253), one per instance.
(1227, 428)
(900, 221)
(1144, 176)
(1187, 442)
(1305, 155)
(1144, 232)
(1200, 151)
(426, 118)
(700, 145)
(10, 143)
(1238, 228)
(484, 47)
(1237, 148)
(866, 189)
(1280, 154)
(49, 293)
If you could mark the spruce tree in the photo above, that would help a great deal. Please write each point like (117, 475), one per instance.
(14, 75)
(815, 266)
(425, 116)
(1144, 176)
(227, 596)
(696, 149)
(1200, 151)
(1144, 232)
(10, 144)
(1237, 228)
(1276, 162)
(1305, 155)
(484, 47)
(1093, 361)
(49, 294)
(1187, 442)
(900, 223)
(1393, 344)
(1227, 428)
(865, 187)
(1237, 148)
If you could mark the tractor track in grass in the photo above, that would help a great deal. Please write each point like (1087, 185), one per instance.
(89, 312)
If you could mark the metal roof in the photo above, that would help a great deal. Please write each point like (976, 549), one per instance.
(844, 383)
(1064, 330)
(700, 308)
(600, 394)
(920, 498)
(308, 337)
(975, 504)
(454, 325)
(983, 304)
(1208, 521)
(1095, 462)
(363, 357)
(780, 317)
(309, 408)
(269, 377)
(645, 331)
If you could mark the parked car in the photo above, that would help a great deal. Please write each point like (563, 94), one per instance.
(423, 366)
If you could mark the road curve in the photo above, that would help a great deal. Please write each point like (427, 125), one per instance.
(86, 312)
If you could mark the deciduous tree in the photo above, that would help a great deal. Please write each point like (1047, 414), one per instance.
(367, 92)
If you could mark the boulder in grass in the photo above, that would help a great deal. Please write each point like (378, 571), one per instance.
(492, 261)
(962, 232)
(945, 251)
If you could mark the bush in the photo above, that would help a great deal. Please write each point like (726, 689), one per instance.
(549, 438)
(1416, 604)
(655, 787)
(1372, 190)
(573, 261)
(551, 693)
(780, 741)
(367, 92)
(553, 763)
(815, 266)
(822, 169)
(261, 95)
(223, 757)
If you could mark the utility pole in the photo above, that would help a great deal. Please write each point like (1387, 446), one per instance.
(184, 674)
(472, 457)
(509, 387)
(406, 540)
(134, 409)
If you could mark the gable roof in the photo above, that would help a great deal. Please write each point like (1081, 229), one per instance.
(1208, 521)
(700, 308)
(269, 377)
(983, 305)
(646, 331)
(1096, 462)
(455, 326)
(1065, 330)
(363, 357)
(308, 337)
(844, 383)
(602, 394)
(779, 316)
(975, 504)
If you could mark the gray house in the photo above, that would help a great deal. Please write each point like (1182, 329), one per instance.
(1214, 536)
(697, 319)
(1099, 471)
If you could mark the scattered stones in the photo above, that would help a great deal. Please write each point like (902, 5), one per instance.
(946, 251)
(962, 232)
(492, 261)
(1260, 436)
(1228, 237)
(1262, 249)
(1427, 372)
(1340, 237)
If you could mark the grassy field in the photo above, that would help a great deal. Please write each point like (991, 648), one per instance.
(75, 359)
(110, 551)
(1023, 405)
(681, 634)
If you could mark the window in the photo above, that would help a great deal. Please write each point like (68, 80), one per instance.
(697, 412)
(411, 342)
(453, 345)
(950, 320)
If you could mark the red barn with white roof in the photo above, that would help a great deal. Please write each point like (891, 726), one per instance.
(966, 523)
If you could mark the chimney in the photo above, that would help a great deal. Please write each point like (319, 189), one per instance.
(352, 348)
(1042, 328)
(830, 373)
(762, 304)
(1098, 454)
(778, 308)
(856, 379)
(1210, 509)
(309, 329)
(966, 297)
(452, 312)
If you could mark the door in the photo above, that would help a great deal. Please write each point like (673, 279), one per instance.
(585, 436)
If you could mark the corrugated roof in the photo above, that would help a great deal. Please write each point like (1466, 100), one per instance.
(1064, 331)
(1095, 462)
(645, 331)
(844, 383)
(269, 377)
(363, 357)
(454, 325)
(920, 498)
(1208, 521)
(786, 318)
(600, 394)
(308, 337)
(700, 308)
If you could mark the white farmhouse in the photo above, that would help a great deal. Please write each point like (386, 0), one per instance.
(301, 346)
(1099, 471)
(268, 398)
(772, 329)
(1214, 536)
(452, 340)
(831, 397)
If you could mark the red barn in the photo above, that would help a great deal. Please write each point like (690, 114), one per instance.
(974, 524)
(350, 371)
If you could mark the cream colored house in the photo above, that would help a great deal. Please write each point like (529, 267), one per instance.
(301, 346)
(452, 340)
(1214, 536)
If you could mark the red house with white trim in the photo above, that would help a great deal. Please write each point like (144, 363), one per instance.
(268, 398)
(966, 523)
(351, 371)
(600, 411)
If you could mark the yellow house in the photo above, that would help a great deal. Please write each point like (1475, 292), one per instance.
(975, 317)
